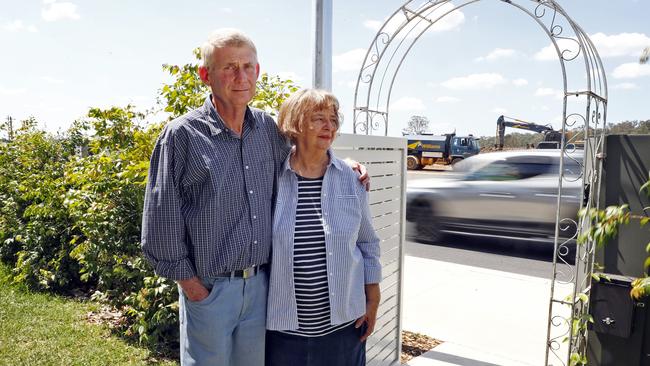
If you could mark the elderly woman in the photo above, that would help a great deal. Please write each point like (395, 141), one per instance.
(325, 270)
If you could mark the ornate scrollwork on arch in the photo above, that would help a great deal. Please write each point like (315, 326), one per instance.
(583, 124)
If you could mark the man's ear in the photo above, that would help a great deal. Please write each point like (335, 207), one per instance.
(257, 70)
(204, 75)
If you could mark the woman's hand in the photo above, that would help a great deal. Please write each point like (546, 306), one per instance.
(370, 317)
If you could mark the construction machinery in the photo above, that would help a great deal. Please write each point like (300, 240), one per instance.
(552, 138)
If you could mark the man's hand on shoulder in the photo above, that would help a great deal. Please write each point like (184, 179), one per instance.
(364, 178)
(194, 289)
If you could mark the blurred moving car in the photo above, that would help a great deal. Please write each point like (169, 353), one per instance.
(510, 194)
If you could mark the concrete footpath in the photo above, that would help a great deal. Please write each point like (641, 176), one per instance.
(484, 317)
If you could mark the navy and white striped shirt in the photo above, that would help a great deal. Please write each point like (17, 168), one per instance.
(208, 201)
(310, 263)
(351, 247)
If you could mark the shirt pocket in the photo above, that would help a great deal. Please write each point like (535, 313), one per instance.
(345, 218)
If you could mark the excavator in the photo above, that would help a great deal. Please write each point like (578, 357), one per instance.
(552, 138)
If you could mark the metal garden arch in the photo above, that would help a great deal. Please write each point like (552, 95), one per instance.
(584, 113)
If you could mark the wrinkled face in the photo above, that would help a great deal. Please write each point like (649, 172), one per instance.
(231, 76)
(318, 130)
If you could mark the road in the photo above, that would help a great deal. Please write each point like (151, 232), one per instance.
(515, 257)
(527, 258)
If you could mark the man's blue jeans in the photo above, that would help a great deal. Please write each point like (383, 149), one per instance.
(228, 326)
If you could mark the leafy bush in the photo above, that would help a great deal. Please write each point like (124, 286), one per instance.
(35, 228)
(71, 205)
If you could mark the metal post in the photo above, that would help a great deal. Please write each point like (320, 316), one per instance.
(322, 50)
(10, 128)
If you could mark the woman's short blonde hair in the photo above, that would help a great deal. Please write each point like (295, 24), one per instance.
(296, 109)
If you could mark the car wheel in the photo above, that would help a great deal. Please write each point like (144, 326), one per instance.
(412, 163)
(456, 160)
(426, 226)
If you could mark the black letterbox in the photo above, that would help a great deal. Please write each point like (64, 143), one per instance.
(612, 307)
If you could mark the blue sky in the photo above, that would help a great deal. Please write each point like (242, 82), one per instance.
(61, 57)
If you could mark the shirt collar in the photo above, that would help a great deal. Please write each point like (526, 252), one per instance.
(333, 161)
(216, 119)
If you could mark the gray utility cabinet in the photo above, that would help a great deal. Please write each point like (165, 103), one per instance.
(620, 335)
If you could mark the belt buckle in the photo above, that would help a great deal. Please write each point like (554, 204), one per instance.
(248, 272)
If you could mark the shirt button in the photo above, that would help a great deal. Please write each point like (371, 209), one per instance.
(246, 167)
(324, 194)
(330, 253)
(251, 192)
(325, 213)
(254, 217)
(254, 241)
(332, 294)
(331, 274)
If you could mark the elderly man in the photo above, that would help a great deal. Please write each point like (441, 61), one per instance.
(207, 217)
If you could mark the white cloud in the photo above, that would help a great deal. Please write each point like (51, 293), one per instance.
(625, 86)
(499, 110)
(541, 92)
(449, 22)
(52, 80)
(568, 47)
(631, 70)
(408, 104)
(349, 61)
(520, 82)
(372, 24)
(497, 53)
(446, 99)
(9, 91)
(623, 44)
(226, 10)
(54, 11)
(545, 92)
(474, 81)
(18, 25)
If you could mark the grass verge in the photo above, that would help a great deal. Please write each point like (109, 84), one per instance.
(41, 329)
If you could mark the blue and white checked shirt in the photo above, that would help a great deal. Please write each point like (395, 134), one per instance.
(351, 243)
(209, 195)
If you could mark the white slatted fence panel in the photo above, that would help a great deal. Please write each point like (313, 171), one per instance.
(385, 159)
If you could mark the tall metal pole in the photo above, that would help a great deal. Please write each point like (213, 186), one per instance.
(322, 46)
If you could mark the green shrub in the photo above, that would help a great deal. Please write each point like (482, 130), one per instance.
(71, 205)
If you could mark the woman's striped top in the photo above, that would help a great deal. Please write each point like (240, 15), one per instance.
(309, 263)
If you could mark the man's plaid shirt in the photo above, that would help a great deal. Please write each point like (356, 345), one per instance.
(209, 196)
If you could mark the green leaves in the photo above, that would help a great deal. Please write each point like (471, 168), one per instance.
(577, 359)
(604, 223)
(640, 288)
(71, 205)
(272, 92)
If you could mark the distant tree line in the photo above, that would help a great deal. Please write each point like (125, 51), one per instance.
(520, 140)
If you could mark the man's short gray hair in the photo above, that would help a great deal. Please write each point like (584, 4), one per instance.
(224, 37)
